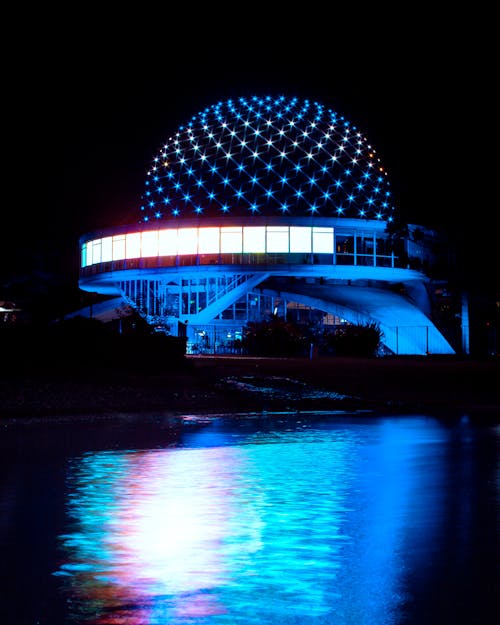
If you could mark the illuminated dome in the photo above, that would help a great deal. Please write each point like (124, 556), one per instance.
(267, 156)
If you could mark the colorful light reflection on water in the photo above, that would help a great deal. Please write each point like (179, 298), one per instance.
(308, 523)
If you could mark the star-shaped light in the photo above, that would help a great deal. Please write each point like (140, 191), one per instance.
(271, 155)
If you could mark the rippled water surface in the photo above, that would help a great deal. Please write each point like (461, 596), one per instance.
(313, 519)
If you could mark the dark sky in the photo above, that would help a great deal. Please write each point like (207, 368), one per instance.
(91, 101)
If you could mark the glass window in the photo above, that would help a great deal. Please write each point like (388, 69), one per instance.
(208, 240)
(106, 249)
(133, 245)
(167, 242)
(84, 260)
(231, 240)
(345, 244)
(300, 239)
(149, 243)
(95, 247)
(383, 246)
(364, 244)
(322, 240)
(277, 239)
(187, 240)
(119, 247)
(254, 239)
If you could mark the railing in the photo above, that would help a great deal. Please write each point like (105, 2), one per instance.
(399, 340)
(251, 259)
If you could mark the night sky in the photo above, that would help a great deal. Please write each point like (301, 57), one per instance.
(92, 105)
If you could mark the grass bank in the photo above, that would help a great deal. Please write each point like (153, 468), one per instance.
(218, 384)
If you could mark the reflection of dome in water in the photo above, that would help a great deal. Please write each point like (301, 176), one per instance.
(267, 156)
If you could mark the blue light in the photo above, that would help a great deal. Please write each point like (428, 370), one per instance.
(303, 143)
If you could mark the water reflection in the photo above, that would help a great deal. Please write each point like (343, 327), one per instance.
(298, 522)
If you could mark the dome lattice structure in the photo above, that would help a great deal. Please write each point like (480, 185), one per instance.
(267, 156)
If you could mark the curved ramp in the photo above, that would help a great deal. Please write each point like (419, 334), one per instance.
(406, 329)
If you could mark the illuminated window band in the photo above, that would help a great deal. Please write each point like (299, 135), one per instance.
(210, 240)
(222, 240)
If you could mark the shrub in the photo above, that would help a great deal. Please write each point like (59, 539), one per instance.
(273, 337)
(356, 340)
(88, 344)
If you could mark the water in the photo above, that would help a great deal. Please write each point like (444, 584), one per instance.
(338, 519)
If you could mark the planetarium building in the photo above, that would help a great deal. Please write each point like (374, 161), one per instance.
(264, 206)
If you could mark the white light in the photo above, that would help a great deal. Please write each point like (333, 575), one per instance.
(133, 245)
(107, 249)
(187, 240)
(208, 240)
(149, 243)
(322, 240)
(254, 239)
(167, 242)
(277, 239)
(231, 240)
(300, 239)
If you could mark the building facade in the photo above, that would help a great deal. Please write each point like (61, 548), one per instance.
(259, 207)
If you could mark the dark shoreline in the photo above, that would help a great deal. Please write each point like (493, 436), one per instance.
(205, 385)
